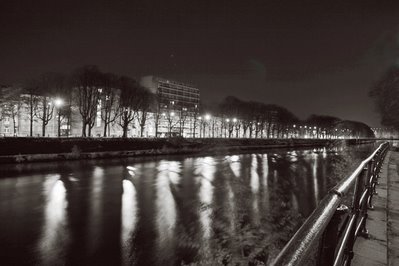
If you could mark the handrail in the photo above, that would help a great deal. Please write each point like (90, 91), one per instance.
(325, 220)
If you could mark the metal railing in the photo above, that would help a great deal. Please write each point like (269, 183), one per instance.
(333, 227)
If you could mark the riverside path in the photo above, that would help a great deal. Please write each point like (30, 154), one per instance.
(382, 245)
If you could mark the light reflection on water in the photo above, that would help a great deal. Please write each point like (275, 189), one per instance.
(212, 209)
(54, 236)
(129, 218)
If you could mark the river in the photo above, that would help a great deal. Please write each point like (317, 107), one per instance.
(205, 210)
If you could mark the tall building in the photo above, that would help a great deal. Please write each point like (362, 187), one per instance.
(178, 106)
(169, 91)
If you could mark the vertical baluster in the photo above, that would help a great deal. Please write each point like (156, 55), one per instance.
(329, 240)
(359, 188)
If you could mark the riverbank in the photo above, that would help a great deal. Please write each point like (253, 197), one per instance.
(20, 150)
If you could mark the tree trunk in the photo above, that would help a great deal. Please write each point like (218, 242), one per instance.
(141, 130)
(125, 125)
(31, 116)
(43, 129)
(156, 125)
(44, 117)
(83, 129)
(194, 125)
(105, 128)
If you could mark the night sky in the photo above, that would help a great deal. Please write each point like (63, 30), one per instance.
(311, 57)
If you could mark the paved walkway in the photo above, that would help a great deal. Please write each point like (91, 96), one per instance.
(382, 248)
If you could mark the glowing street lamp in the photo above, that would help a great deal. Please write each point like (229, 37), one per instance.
(234, 120)
(207, 117)
(58, 102)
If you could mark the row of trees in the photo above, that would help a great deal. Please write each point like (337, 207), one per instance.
(121, 100)
(259, 120)
(116, 99)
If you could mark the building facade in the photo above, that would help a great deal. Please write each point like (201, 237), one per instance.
(178, 106)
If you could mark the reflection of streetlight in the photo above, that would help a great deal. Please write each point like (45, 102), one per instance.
(58, 102)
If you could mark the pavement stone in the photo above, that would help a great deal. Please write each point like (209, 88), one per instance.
(373, 250)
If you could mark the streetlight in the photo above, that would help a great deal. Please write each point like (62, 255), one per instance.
(58, 102)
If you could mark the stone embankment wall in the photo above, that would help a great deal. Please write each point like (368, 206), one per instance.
(18, 150)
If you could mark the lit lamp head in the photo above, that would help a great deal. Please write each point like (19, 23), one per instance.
(58, 102)
(207, 117)
(234, 120)
(227, 120)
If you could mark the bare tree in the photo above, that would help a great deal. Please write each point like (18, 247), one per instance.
(171, 117)
(48, 85)
(109, 100)
(183, 116)
(11, 105)
(385, 94)
(146, 102)
(128, 104)
(30, 100)
(87, 82)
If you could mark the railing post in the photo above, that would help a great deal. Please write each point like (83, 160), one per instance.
(359, 189)
(372, 182)
(365, 204)
(330, 238)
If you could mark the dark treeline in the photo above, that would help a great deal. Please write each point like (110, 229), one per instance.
(120, 100)
(259, 120)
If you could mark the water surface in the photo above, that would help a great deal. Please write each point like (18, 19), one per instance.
(208, 210)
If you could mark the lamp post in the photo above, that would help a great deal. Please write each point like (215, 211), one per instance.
(58, 102)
